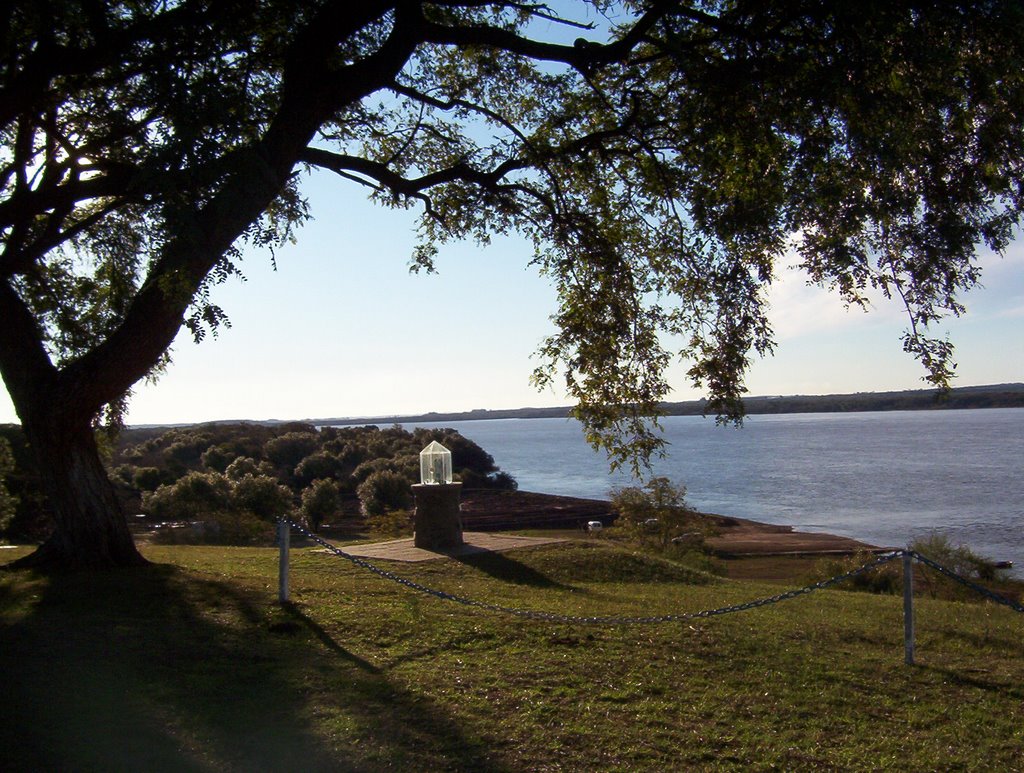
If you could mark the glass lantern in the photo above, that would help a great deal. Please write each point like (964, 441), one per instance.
(435, 464)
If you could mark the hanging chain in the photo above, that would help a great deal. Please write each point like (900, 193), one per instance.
(596, 620)
(980, 589)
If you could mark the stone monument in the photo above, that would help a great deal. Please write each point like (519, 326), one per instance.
(437, 524)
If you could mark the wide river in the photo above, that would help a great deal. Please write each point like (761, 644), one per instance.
(884, 477)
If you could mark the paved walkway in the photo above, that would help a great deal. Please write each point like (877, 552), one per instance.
(475, 542)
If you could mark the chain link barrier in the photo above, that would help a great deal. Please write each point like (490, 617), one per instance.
(598, 620)
(668, 618)
(979, 589)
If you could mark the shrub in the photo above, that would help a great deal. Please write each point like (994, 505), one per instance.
(195, 495)
(958, 558)
(147, 478)
(263, 496)
(219, 510)
(384, 490)
(887, 578)
(472, 479)
(319, 502)
(291, 448)
(245, 465)
(392, 523)
(123, 475)
(350, 453)
(657, 513)
(318, 465)
(187, 448)
(504, 481)
(217, 458)
(401, 467)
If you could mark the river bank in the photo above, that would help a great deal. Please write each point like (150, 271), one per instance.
(485, 510)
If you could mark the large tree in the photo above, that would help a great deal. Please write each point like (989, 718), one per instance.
(663, 156)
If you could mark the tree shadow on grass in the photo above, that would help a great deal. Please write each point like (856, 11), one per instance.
(502, 567)
(302, 620)
(155, 669)
(979, 681)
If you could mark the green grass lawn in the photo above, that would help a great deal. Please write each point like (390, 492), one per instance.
(192, 665)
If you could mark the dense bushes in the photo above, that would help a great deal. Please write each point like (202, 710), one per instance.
(384, 490)
(220, 509)
(236, 479)
(321, 502)
(288, 450)
(888, 578)
(195, 494)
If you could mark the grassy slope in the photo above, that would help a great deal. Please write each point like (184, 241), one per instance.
(190, 665)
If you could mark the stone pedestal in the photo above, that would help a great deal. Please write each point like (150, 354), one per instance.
(438, 524)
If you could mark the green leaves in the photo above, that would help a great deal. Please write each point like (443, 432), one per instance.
(662, 165)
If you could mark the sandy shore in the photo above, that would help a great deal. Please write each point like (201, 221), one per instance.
(739, 537)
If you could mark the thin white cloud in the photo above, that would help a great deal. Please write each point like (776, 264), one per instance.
(1013, 312)
(798, 308)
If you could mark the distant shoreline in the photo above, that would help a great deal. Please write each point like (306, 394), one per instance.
(990, 396)
(959, 398)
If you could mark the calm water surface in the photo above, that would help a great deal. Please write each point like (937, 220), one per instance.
(884, 478)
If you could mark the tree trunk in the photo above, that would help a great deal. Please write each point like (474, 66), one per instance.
(90, 529)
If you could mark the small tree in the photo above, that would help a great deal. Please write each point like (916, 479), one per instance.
(262, 496)
(318, 465)
(319, 502)
(190, 497)
(384, 490)
(245, 465)
(658, 511)
(147, 478)
(217, 458)
(291, 448)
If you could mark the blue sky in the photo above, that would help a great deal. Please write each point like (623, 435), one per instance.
(343, 329)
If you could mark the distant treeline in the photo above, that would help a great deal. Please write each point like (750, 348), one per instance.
(993, 396)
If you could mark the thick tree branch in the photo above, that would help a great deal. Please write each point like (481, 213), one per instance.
(24, 364)
(27, 204)
(257, 177)
(50, 60)
(583, 56)
(403, 186)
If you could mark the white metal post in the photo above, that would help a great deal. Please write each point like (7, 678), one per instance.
(284, 532)
(908, 608)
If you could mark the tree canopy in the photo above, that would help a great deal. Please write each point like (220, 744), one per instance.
(662, 156)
